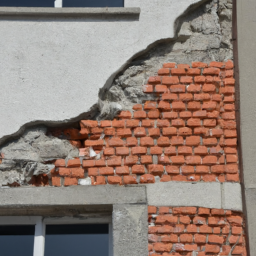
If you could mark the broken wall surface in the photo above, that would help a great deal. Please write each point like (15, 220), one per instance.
(163, 122)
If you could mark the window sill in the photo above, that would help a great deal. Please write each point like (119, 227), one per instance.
(70, 12)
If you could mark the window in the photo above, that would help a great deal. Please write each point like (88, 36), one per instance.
(62, 3)
(37, 236)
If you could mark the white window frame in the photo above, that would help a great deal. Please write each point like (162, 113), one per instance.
(58, 4)
(41, 222)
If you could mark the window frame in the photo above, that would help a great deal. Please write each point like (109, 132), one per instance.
(41, 222)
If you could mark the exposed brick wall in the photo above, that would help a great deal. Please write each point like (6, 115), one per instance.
(184, 230)
(188, 133)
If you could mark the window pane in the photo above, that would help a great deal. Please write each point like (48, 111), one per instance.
(78, 240)
(17, 240)
(27, 3)
(93, 3)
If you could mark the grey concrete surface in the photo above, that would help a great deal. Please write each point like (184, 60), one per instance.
(52, 70)
(69, 12)
(208, 194)
(232, 196)
(130, 230)
(76, 195)
(250, 197)
(247, 61)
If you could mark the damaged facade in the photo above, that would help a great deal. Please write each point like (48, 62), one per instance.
(160, 146)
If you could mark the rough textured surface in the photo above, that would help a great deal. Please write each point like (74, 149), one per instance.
(51, 62)
(193, 231)
(247, 62)
(130, 230)
(79, 195)
(29, 155)
(232, 196)
(185, 194)
(202, 35)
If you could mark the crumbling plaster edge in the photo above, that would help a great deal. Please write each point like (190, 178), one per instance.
(210, 195)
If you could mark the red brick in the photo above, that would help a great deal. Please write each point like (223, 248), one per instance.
(209, 105)
(216, 132)
(156, 151)
(179, 88)
(194, 88)
(202, 169)
(118, 123)
(60, 163)
(114, 180)
(131, 142)
(201, 150)
(172, 238)
(139, 150)
(186, 238)
(152, 209)
(210, 142)
(199, 220)
(122, 151)
(232, 177)
(185, 114)
(194, 122)
(216, 64)
(229, 81)
(193, 71)
(166, 219)
(147, 123)
(164, 72)
(169, 96)
(146, 142)
(116, 142)
(216, 221)
(202, 97)
(147, 178)
(148, 88)
(169, 65)
(186, 79)
(217, 169)
(203, 211)
(209, 160)
(200, 114)
(130, 179)
(160, 247)
(163, 142)
(76, 143)
(178, 105)
(163, 159)
(210, 122)
(171, 169)
(177, 159)
(199, 65)
(193, 160)
(140, 114)
(94, 143)
(237, 230)
(106, 170)
(56, 181)
(186, 97)
(125, 115)
(165, 178)
(169, 131)
(88, 123)
(106, 123)
(187, 170)
(227, 124)
(154, 80)
(163, 123)
(140, 132)
(185, 66)
(217, 97)
(191, 228)
(146, 159)
(235, 220)
(214, 239)
(231, 158)
(66, 172)
(156, 169)
(184, 150)
(153, 114)
(132, 123)
(178, 122)
(229, 64)
(209, 88)
(169, 80)
(177, 141)
(77, 173)
(138, 169)
(193, 140)
(178, 71)
(228, 99)
(185, 210)
(150, 105)
(200, 239)
(185, 131)
(154, 132)
(230, 133)
(70, 181)
(211, 71)
(211, 248)
(93, 171)
(209, 178)
(109, 131)
(201, 130)
(239, 250)
(122, 170)
(161, 88)
(204, 229)
(114, 161)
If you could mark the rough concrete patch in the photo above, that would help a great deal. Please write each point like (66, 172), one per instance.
(29, 155)
(232, 196)
(204, 34)
(185, 194)
(130, 230)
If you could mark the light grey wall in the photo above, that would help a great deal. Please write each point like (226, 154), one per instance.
(52, 69)
(246, 20)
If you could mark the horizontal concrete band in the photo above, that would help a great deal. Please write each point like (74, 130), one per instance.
(68, 12)
(210, 195)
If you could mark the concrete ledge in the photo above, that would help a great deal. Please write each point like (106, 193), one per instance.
(70, 12)
(210, 195)
(72, 196)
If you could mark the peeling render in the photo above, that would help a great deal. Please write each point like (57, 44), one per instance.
(203, 34)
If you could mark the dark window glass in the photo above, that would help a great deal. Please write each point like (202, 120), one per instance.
(27, 3)
(17, 240)
(79, 240)
(93, 3)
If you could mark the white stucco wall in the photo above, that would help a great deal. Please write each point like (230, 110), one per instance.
(52, 69)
